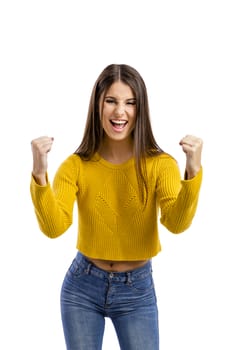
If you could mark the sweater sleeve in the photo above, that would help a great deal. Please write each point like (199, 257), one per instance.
(54, 204)
(177, 198)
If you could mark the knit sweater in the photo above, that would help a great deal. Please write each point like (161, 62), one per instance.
(113, 223)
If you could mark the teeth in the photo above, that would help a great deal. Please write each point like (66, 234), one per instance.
(119, 122)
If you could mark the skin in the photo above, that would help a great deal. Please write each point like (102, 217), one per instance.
(118, 115)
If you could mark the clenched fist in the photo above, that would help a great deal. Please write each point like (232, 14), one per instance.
(192, 147)
(40, 148)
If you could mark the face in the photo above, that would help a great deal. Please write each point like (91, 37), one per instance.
(118, 112)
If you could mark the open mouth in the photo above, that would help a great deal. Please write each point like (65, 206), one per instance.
(118, 124)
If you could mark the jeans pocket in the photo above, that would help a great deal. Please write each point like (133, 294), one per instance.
(74, 269)
(143, 284)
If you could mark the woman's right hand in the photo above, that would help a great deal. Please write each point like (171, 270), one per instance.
(40, 148)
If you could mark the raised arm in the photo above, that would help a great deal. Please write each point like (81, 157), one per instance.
(178, 198)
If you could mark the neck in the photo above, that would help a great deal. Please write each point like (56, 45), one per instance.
(116, 151)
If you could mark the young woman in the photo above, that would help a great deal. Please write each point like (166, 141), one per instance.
(121, 180)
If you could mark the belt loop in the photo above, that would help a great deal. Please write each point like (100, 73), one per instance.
(128, 278)
(88, 269)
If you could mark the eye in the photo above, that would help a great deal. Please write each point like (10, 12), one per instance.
(131, 102)
(109, 100)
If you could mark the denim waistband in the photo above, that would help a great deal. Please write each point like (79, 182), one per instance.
(131, 275)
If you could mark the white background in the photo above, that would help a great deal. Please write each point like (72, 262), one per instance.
(51, 52)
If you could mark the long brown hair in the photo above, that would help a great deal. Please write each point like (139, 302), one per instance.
(143, 139)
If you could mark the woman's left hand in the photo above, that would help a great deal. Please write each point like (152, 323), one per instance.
(192, 147)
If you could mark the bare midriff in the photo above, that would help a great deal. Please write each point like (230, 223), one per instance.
(117, 266)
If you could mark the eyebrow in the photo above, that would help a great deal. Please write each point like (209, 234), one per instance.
(114, 98)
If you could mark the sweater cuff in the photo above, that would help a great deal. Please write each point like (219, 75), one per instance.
(196, 178)
(34, 183)
(193, 185)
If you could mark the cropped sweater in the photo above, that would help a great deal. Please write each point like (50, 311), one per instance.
(113, 223)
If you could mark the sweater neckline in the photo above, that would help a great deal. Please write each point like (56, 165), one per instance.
(108, 164)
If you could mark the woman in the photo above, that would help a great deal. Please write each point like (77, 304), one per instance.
(121, 180)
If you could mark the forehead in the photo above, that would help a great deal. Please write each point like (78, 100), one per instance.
(120, 90)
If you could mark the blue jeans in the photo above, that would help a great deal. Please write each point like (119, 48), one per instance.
(90, 294)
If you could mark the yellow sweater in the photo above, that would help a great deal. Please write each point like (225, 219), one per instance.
(112, 223)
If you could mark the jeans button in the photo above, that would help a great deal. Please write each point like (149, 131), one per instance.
(111, 275)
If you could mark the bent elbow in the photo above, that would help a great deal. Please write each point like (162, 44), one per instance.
(176, 227)
(177, 230)
(52, 232)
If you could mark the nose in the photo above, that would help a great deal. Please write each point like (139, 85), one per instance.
(120, 110)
